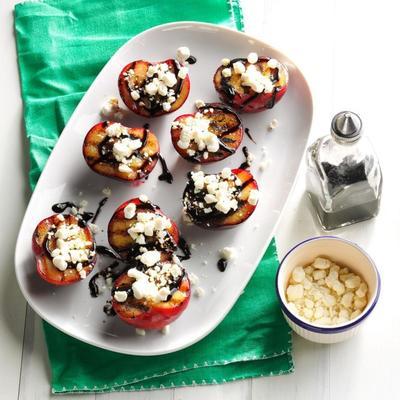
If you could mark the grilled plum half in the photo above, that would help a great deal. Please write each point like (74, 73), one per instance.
(120, 152)
(64, 250)
(212, 134)
(220, 200)
(152, 297)
(153, 89)
(260, 86)
(143, 226)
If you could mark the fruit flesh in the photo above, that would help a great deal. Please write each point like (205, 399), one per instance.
(98, 155)
(245, 99)
(41, 247)
(224, 123)
(140, 67)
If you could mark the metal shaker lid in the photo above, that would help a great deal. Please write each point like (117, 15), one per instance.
(346, 126)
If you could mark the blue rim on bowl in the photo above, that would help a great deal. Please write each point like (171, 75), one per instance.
(342, 327)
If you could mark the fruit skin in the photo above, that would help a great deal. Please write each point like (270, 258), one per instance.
(237, 217)
(140, 67)
(44, 265)
(118, 226)
(147, 315)
(90, 150)
(229, 119)
(247, 100)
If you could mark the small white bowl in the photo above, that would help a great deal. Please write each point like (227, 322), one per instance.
(344, 253)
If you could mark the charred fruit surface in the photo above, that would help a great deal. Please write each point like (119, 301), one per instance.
(220, 202)
(123, 153)
(212, 134)
(233, 91)
(127, 243)
(158, 98)
(44, 242)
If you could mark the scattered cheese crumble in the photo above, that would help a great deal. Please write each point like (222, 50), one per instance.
(111, 109)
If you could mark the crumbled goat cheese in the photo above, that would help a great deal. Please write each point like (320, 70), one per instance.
(154, 283)
(228, 253)
(326, 294)
(225, 62)
(253, 197)
(150, 258)
(239, 67)
(165, 330)
(120, 296)
(70, 248)
(140, 332)
(130, 211)
(252, 58)
(143, 198)
(226, 72)
(199, 103)
(197, 130)
(199, 292)
(106, 191)
(273, 124)
(182, 54)
(111, 109)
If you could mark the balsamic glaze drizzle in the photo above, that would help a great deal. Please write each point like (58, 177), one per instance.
(106, 251)
(107, 272)
(245, 164)
(99, 207)
(108, 309)
(183, 245)
(166, 174)
(83, 218)
(222, 264)
(247, 132)
(192, 60)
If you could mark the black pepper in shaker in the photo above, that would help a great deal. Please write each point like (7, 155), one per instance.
(344, 179)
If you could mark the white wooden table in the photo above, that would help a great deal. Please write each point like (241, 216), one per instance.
(349, 54)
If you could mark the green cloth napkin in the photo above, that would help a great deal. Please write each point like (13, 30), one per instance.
(62, 45)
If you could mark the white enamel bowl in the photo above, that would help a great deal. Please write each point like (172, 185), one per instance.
(342, 252)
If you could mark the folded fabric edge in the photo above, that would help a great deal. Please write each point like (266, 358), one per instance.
(127, 386)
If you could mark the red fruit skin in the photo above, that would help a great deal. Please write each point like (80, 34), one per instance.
(119, 215)
(44, 265)
(260, 102)
(134, 105)
(158, 315)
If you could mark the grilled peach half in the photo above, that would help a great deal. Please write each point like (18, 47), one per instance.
(133, 79)
(124, 244)
(98, 152)
(43, 245)
(223, 123)
(217, 219)
(245, 99)
(147, 314)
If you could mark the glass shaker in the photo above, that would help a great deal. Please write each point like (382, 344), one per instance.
(344, 179)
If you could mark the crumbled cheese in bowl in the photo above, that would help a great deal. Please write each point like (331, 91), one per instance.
(325, 293)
